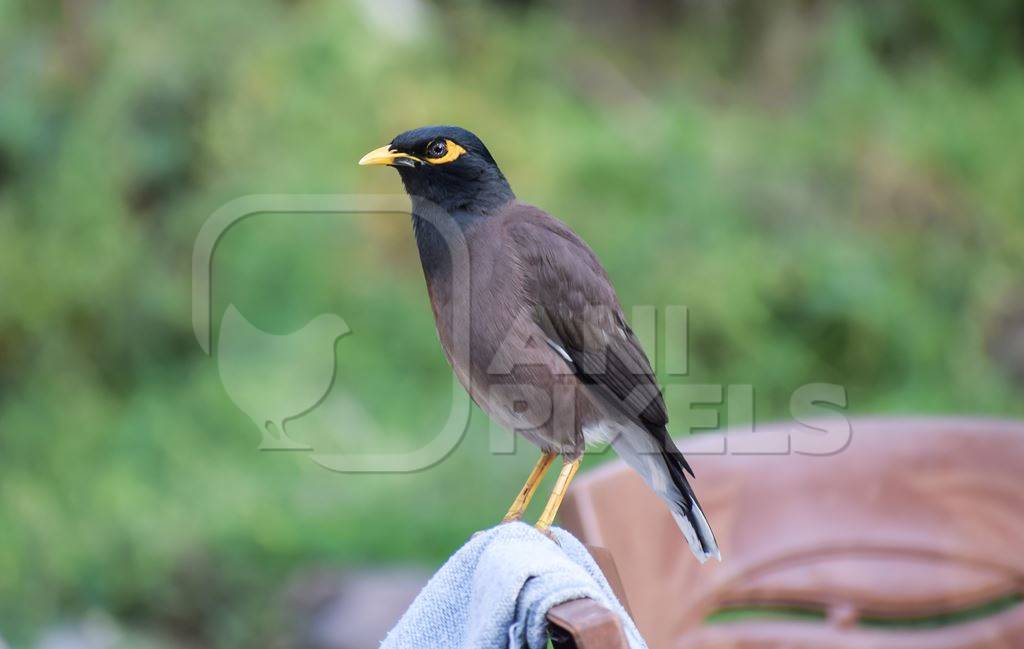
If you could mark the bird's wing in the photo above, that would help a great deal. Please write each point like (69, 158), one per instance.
(576, 307)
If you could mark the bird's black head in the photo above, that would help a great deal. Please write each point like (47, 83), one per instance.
(446, 165)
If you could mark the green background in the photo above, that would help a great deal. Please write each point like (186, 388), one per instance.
(833, 189)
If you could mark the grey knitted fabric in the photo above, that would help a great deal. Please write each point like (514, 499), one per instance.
(495, 592)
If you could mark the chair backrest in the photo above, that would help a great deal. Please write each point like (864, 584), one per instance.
(910, 537)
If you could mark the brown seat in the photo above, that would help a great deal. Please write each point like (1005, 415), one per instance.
(585, 624)
(910, 537)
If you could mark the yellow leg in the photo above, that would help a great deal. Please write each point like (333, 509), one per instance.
(515, 512)
(547, 517)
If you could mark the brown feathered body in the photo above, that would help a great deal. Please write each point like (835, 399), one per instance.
(551, 356)
(514, 374)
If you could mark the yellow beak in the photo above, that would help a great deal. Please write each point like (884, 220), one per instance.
(384, 156)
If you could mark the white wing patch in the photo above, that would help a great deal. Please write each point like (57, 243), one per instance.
(560, 351)
(602, 432)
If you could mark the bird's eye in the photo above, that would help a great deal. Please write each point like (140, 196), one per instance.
(437, 149)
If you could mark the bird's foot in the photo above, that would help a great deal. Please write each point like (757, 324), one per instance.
(546, 531)
(509, 518)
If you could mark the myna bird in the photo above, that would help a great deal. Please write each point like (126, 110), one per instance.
(550, 354)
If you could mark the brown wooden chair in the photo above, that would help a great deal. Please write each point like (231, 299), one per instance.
(912, 537)
(585, 624)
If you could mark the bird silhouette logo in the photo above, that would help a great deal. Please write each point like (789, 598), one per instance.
(274, 378)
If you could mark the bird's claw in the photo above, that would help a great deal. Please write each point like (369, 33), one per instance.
(546, 531)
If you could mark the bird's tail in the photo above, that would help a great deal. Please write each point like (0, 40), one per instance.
(655, 457)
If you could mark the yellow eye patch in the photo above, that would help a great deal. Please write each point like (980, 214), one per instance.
(452, 151)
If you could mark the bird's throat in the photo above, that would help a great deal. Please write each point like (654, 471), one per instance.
(435, 253)
(441, 231)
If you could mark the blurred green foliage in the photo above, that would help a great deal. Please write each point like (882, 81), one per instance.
(833, 189)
